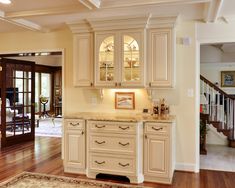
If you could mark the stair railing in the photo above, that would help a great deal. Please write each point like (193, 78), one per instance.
(220, 107)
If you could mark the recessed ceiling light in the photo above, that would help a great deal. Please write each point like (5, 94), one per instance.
(5, 1)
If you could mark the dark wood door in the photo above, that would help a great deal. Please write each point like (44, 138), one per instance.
(18, 101)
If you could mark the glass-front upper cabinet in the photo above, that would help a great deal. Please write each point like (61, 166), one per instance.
(132, 60)
(105, 60)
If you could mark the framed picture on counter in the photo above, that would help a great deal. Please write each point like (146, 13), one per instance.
(125, 100)
(227, 78)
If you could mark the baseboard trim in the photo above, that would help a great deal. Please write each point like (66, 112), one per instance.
(188, 167)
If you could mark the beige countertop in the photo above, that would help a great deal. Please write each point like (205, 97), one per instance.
(121, 117)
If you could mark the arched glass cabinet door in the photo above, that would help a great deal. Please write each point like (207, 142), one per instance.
(131, 60)
(106, 60)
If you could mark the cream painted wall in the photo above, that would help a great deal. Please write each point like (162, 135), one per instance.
(76, 99)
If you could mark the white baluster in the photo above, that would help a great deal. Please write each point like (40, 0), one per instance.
(222, 112)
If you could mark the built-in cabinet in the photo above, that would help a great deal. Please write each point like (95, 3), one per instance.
(132, 53)
(74, 146)
(159, 149)
(83, 60)
(115, 148)
(119, 59)
(161, 57)
(137, 150)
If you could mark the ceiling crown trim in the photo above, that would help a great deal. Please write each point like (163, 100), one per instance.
(117, 23)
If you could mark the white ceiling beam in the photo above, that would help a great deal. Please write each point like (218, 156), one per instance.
(212, 10)
(90, 4)
(23, 23)
(43, 12)
(127, 3)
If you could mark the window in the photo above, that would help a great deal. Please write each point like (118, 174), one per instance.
(42, 87)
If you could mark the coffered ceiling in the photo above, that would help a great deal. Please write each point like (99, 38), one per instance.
(47, 15)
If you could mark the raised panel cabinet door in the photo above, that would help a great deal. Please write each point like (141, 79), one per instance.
(106, 67)
(156, 156)
(132, 58)
(75, 149)
(161, 58)
(83, 59)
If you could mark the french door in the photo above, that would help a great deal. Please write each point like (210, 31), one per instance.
(17, 101)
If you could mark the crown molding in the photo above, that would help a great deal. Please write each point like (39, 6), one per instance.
(118, 23)
(43, 12)
(79, 27)
(91, 4)
(212, 10)
(129, 3)
(163, 22)
(23, 23)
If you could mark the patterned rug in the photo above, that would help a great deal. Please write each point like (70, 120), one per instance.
(48, 127)
(36, 180)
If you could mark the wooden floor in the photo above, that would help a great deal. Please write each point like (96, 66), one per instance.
(44, 156)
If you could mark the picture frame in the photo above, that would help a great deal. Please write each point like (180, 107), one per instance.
(227, 78)
(125, 100)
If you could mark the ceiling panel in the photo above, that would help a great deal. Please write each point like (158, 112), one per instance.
(228, 8)
(24, 5)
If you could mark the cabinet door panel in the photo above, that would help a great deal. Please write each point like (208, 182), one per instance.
(75, 154)
(161, 58)
(106, 68)
(132, 58)
(156, 156)
(83, 60)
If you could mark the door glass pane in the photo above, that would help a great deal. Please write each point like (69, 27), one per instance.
(106, 59)
(19, 74)
(19, 84)
(131, 59)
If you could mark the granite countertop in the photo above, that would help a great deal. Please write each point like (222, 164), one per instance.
(121, 117)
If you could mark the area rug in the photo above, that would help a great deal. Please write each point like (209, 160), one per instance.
(49, 127)
(36, 180)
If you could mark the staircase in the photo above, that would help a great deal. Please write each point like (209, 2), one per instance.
(221, 109)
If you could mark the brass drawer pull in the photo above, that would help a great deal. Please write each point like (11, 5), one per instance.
(124, 165)
(124, 128)
(99, 127)
(124, 144)
(74, 124)
(97, 162)
(103, 142)
(157, 129)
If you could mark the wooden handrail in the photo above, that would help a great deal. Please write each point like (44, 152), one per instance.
(216, 87)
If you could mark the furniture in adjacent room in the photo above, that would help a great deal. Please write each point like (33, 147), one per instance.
(204, 120)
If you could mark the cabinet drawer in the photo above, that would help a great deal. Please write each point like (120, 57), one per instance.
(111, 144)
(113, 127)
(112, 164)
(75, 123)
(157, 128)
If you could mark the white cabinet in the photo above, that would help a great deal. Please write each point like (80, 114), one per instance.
(75, 148)
(161, 58)
(83, 59)
(159, 152)
(115, 148)
(119, 58)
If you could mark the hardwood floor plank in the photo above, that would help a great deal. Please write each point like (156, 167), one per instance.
(44, 156)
